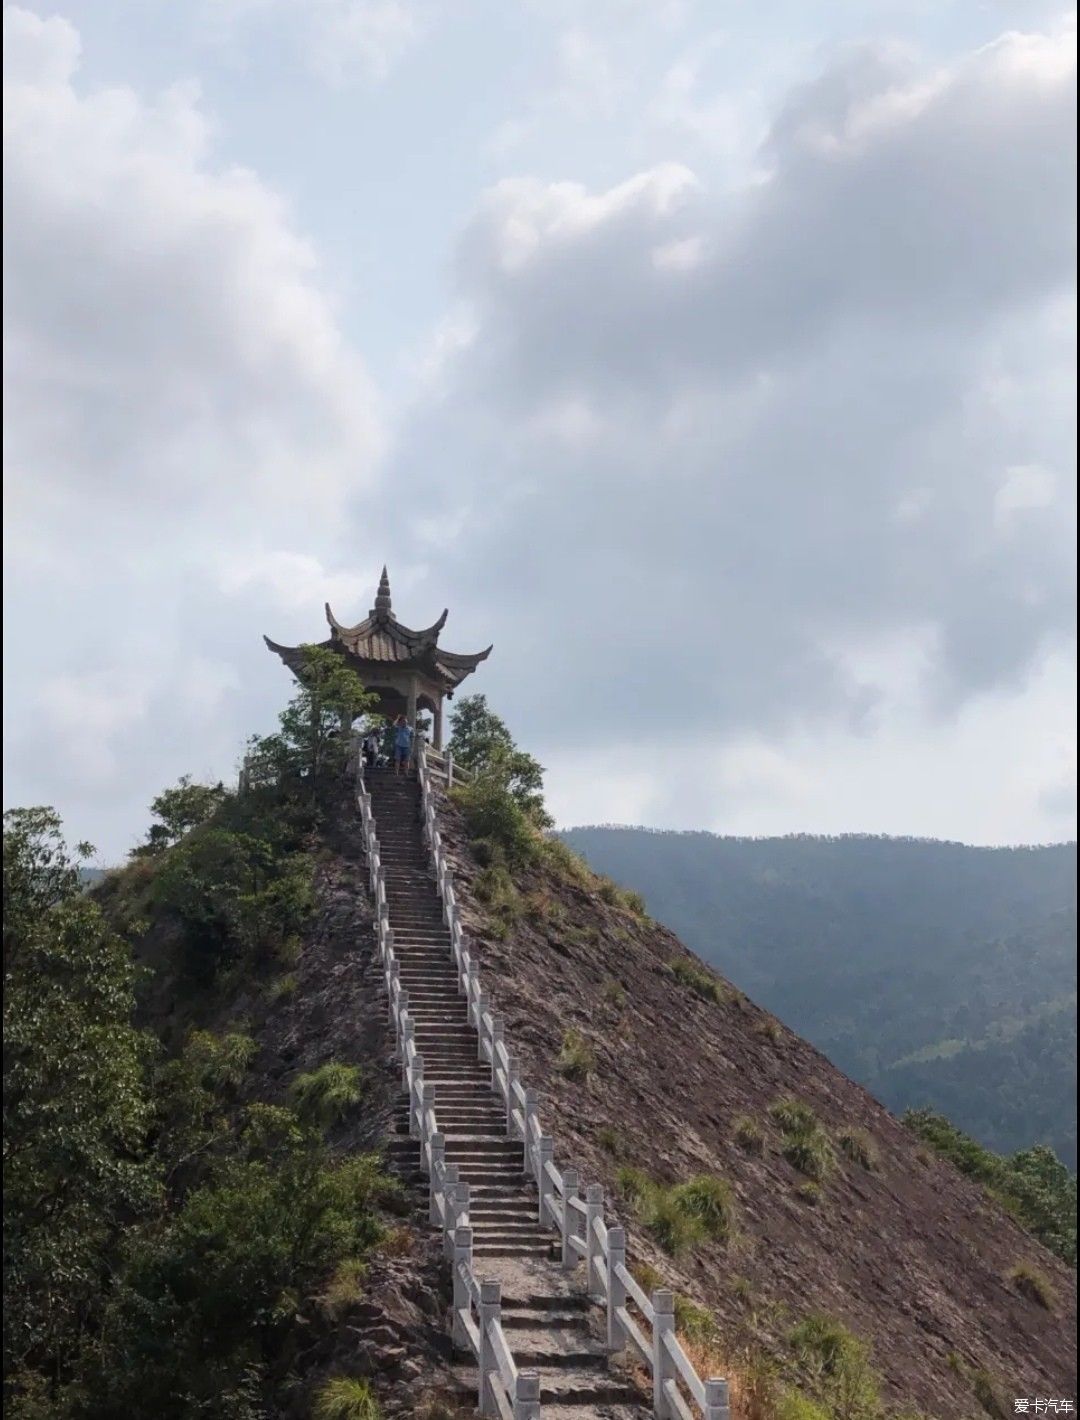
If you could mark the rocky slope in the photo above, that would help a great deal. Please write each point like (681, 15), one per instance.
(909, 1254)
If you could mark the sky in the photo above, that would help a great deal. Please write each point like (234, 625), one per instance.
(713, 360)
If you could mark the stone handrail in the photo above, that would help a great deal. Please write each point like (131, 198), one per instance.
(504, 1391)
(578, 1221)
(443, 763)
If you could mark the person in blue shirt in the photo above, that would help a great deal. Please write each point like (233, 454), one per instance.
(403, 740)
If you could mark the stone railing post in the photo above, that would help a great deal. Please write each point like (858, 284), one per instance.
(482, 1009)
(616, 1288)
(717, 1401)
(594, 1209)
(511, 1077)
(472, 991)
(545, 1154)
(663, 1326)
(427, 1099)
(531, 1112)
(449, 1192)
(498, 1025)
(490, 1295)
(438, 1165)
(449, 768)
(461, 1251)
(527, 1396)
(570, 1191)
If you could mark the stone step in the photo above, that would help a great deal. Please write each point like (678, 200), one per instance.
(488, 1249)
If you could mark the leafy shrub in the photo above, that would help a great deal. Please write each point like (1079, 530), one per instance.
(324, 1096)
(748, 1134)
(769, 1028)
(235, 896)
(699, 980)
(577, 1059)
(1032, 1184)
(221, 1062)
(178, 811)
(1032, 1283)
(482, 742)
(344, 1398)
(496, 819)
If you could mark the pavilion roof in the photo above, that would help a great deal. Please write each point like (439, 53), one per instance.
(380, 639)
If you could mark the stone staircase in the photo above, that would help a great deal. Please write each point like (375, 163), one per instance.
(550, 1327)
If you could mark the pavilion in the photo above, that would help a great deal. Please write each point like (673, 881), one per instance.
(408, 670)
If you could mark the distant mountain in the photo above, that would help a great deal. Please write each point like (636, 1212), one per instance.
(933, 973)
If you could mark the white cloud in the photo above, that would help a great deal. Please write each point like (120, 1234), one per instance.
(170, 356)
(338, 39)
(182, 410)
(1024, 487)
(782, 515)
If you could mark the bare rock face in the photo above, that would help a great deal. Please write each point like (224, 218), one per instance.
(909, 1254)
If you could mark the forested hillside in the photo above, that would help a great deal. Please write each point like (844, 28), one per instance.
(935, 974)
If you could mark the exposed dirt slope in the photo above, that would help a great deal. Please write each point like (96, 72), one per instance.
(910, 1255)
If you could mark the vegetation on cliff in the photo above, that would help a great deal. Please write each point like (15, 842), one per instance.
(167, 1220)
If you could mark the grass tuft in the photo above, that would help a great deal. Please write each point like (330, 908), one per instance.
(577, 1059)
(748, 1134)
(1033, 1285)
(857, 1145)
(698, 979)
(344, 1398)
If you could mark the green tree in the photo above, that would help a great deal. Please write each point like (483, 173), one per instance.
(237, 896)
(481, 742)
(75, 1112)
(331, 696)
(178, 810)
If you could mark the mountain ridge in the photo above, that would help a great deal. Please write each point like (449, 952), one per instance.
(883, 948)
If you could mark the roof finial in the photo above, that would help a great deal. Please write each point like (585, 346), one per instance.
(382, 597)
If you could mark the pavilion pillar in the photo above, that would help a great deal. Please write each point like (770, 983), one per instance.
(438, 722)
(411, 711)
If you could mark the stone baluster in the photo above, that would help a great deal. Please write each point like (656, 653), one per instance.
(616, 1288)
(594, 1210)
(490, 1306)
(663, 1368)
(570, 1192)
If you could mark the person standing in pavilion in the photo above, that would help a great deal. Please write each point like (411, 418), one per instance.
(403, 743)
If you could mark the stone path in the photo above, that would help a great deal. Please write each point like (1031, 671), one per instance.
(550, 1325)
